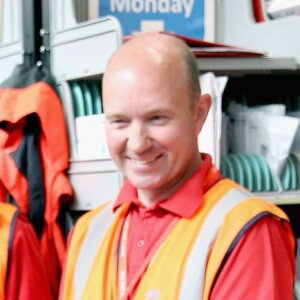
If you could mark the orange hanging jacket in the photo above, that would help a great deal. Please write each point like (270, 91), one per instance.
(34, 157)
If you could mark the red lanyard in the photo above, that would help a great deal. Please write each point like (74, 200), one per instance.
(122, 265)
(126, 289)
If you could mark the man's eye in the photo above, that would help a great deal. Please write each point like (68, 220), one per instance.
(159, 119)
(118, 121)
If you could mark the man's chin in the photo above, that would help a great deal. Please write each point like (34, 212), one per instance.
(143, 183)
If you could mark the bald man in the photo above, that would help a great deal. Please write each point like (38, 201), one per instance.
(178, 229)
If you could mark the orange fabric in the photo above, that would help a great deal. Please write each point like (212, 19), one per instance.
(175, 251)
(171, 257)
(149, 224)
(103, 272)
(39, 98)
(15, 105)
(67, 286)
(235, 221)
(6, 215)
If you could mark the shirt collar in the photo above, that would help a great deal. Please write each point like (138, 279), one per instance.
(191, 191)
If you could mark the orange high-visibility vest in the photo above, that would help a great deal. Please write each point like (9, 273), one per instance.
(189, 258)
(7, 214)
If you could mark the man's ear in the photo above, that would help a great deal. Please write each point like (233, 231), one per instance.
(202, 109)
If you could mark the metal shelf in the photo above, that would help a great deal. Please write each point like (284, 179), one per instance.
(246, 65)
(281, 198)
(94, 182)
(94, 41)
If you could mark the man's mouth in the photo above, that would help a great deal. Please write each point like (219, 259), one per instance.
(142, 162)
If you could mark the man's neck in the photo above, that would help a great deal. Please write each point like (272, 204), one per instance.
(151, 196)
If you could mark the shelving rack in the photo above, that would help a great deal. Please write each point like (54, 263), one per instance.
(247, 65)
(236, 25)
(81, 51)
(17, 37)
(68, 53)
(78, 36)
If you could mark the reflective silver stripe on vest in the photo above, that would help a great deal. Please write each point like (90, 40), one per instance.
(193, 278)
(97, 230)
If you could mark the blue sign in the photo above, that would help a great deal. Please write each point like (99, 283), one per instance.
(184, 17)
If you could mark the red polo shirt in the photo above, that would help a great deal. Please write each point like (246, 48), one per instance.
(262, 265)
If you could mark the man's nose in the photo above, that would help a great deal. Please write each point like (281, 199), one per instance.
(138, 137)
